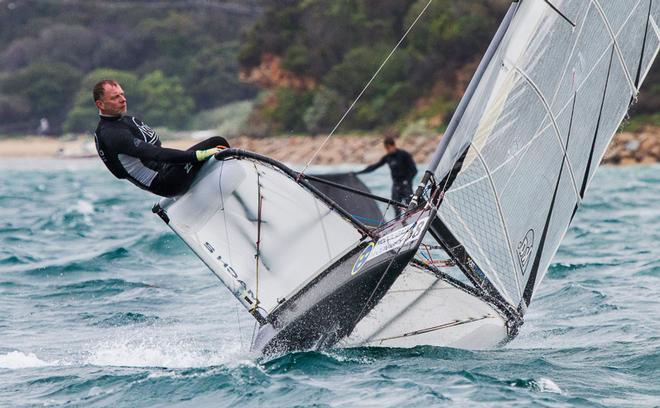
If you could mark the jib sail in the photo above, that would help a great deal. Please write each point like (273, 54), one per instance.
(264, 235)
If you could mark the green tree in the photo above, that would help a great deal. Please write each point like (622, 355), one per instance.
(390, 87)
(326, 109)
(47, 88)
(297, 59)
(165, 101)
(212, 78)
(168, 44)
(287, 113)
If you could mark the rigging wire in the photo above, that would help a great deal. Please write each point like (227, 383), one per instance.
(260, 197)
(382, 219)
(364, 89)
(238, 320)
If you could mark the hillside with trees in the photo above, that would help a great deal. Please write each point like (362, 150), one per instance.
(175, 58)
(333, 47)
(266, 66)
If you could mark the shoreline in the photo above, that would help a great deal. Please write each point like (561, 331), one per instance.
(627, 148)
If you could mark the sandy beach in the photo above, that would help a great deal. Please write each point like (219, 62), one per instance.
(627, 148)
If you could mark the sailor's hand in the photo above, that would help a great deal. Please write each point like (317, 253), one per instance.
(205, 154)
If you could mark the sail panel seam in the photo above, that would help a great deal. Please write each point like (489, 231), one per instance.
(554, 124)
(500, 212)
(634, 89)
(570, 56)
(526, 147)
(536, 136)
(450, 207)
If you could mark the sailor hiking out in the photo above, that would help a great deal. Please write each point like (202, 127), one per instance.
(132, 150)
(402, 169)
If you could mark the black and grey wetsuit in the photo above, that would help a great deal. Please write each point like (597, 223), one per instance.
(403, 170)
(132, 150)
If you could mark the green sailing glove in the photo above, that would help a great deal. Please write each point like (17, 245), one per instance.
(205, 154)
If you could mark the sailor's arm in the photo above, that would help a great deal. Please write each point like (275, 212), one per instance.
(372, 167)
(145, 151)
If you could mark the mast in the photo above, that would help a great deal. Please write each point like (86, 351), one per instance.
(465, 100)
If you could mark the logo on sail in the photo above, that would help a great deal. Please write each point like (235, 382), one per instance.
(525, 250)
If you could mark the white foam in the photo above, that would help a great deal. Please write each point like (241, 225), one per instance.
(17, 359)
(84, 207)
(547, 385)
(161, 352)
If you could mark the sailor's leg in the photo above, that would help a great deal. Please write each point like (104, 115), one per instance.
(210, 142)
(406, 191)
(396, 196)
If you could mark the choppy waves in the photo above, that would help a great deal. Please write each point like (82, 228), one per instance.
(100, 305)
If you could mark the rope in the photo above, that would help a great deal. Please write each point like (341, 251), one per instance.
(382, 219)
(258, 243)
(240, 328)
(364, 89)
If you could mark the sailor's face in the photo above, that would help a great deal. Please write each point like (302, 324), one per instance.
(113, 101)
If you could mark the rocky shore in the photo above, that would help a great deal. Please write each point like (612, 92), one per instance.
(633, 148)
(627, 147)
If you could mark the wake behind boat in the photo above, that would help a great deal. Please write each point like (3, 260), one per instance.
(318, 267)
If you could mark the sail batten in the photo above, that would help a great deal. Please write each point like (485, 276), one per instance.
(564, 16)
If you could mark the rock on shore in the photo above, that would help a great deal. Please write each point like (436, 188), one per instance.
(632, 148)
(626, 148)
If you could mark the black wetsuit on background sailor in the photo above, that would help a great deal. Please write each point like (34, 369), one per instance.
(402, 168)
(132, 150)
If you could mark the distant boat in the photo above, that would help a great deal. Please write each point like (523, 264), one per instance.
(459, 268)
(78, 149)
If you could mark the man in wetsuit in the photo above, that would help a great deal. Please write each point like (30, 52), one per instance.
(132, 150)
(402, 169)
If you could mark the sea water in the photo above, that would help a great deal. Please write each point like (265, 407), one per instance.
(102, 305)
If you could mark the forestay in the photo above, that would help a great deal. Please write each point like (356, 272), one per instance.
(533, 133)
(264, 235)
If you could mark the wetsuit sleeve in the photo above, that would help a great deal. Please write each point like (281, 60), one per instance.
(129, 145)
(374, 166)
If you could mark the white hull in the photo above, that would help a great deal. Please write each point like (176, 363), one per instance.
(421, 309)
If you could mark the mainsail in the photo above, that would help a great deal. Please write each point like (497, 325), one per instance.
(535, 128)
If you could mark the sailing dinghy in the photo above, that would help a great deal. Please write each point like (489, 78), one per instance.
(316, 265)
